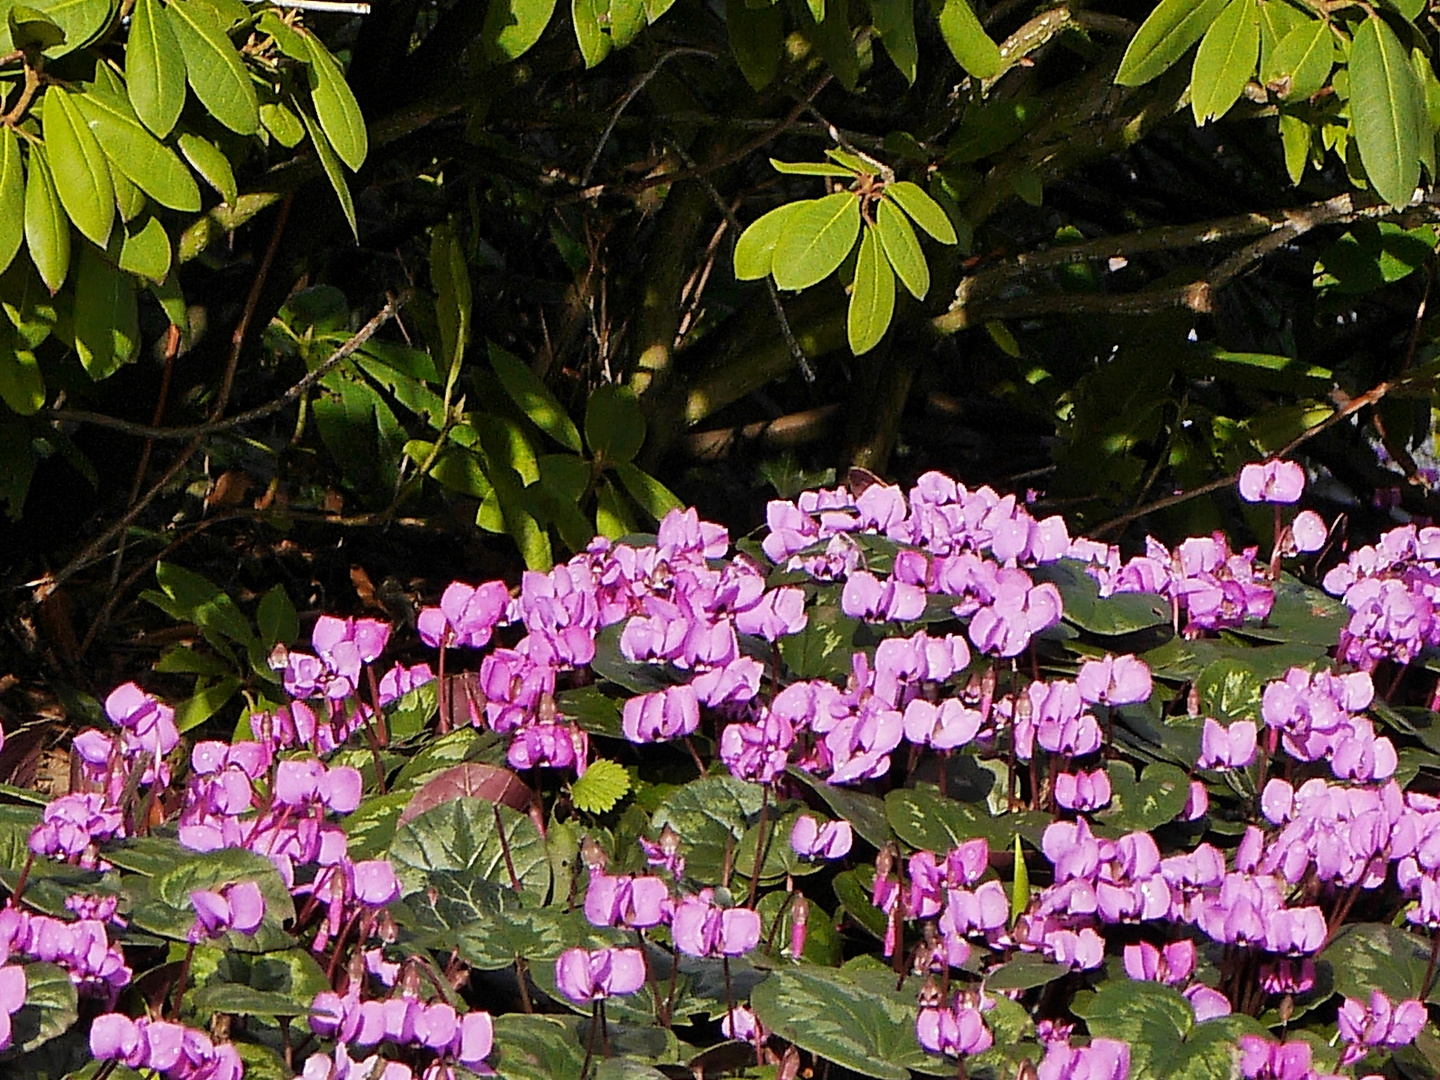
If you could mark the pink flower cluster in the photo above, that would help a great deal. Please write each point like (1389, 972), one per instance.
(432, 1029)
(1392, 588)
(171, 1050)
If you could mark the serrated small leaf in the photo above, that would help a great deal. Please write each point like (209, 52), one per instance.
(603, 785)
(757, 38)
(923, 210)
(1164, 37)
(154, 68)
(82, 175)
(207, 160)
(213, 67)
(335, 106)
(12, 197)
(1301, 62)
(974, 49)
(534, 398)
(1386, 111)
(816, 240)
(872, 298)
(902, 248)
(755, 250)
(1225, 61)
(652, 496)
(47, 229)
(331, 164)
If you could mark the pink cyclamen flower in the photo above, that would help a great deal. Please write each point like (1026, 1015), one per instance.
(238, 907)
(1114, 680)
(1308, 531)
(1103, 1059)
(1227, 748)
(1381, 1024)
(13, 988)
(585, 976)
(957, 1031)
(623, 900)
(1172, 964)
(866, 597)
(812, 840)
(1083, 790)
(1262, 1059)
(700, 928)
(1272, 481)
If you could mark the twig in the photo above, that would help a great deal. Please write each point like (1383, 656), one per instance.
(252, 301)
(630, 96)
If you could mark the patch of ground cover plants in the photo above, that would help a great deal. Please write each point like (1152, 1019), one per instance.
(912, 783)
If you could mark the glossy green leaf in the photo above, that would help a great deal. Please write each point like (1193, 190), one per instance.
(1387, 111)
(47, 229)
(22, 387)
(129, 199)
(650, 494)
(755, 250)
(757, 36)
(894, 21)
(1121, 613)
(1225, 61)
(288, 39)
(604, 784)
(1372, 255)
(51, 1007)
(1156, 799)
(812, 168)
(32, 30)
(145, 250)
(1301, 62)
(833, 39)
(1019, 884)
(872, 297)
(816, 240)
(213, 66)
(925, 819)
(1295, 137)
(976, 52)
(1025, 972)
(331, 164)
(461, 837)
(154, 68)
(207, 160)
(923, 210)
(614, 424)
(902, 249)
(336, 107)
(612, 519)
(513, 26)
(82, 175)
(1164, 37)
(12, 197)
(594, 42)
(534, 398)
(107, 320)
(450, 275)
(81, 21)
(710, 815)
(627, 19)
(151, 165)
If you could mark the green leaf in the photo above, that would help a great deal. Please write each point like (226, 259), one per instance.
(925, 819)
(145, 249)
(281, 122)
(21, 385)
(755, 250)
(539, 1047)
(816, 240)
(652, 496)
(276, 617)
(331, 164)
(31, 30)
(213, 67)
(812, 168)
(1376, 956)
(710, 815)
(208, 699)
(1387, 111)
(627, 19)
(1156, 800)
(207, 160)
(51, 1007)
(281, 984)
(1372, 255)
(976, 52)
(1230, 690)
(612, 520)
(894, 21)
(107, 318)
(153, 167)
(872, 297)
(534, 398)
(853, 1017)
(832, 38)
(1301, 63)
(594, 42)
(537, 936)
(824, 649)
(81, 21)
(902, 249)
(757, 36)
(1025, 972)
(1225, 61)
(154, 68)
(923, 210)
(1020, 884)
(1164, 37)
(1122, 613)
(603, 785)
(12, 197)
(512, 27)
(450, 275)
(460, 838)
(614, 424)
(82, 175)
(335, 106)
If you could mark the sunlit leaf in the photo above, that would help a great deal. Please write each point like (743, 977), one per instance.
(1225, 61)
(816, 239)
(213, 67)
(975, 50)
(872, 297)
(902, 249)
(1387, 112)
(47, 229)
(335, 106)
(154, 68)
(1164, 37)
(12, 197)
(81, 173)
(923, 210)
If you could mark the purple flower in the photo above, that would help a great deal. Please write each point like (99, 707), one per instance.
(1103, 1059)
(1262, 1059)
(1171, 965)
(812, 840)
(1083, 791)
(1381, 1024)
(635, 902)
(1273, 481)
(1308, 531)
(467, 615)
(1114, 680)
(866, 597)
(238, 907)
(699, 928)
(1208, 1003)
(671, 713)
(957, 1031)
(589, 976)
(945, 726)
(1227, 748)
(375, 883)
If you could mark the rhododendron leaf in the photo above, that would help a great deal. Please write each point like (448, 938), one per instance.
(711, 815)
(614, 424)
(1123, 613)
(830, 1014)
(534, 398)
(1376, 956)
(51, 1007)
(604, 784)
(461, 840)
